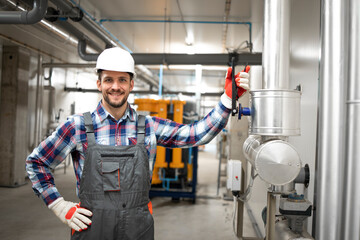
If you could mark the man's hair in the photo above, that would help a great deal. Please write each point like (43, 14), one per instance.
(99, 72)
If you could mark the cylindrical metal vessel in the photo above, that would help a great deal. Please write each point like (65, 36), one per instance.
(275, 112)
(276, 161)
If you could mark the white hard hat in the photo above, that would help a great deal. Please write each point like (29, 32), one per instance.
(115, 59)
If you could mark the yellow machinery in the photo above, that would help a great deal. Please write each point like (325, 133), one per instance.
(156, 108)
(171, 176)
(178, 117)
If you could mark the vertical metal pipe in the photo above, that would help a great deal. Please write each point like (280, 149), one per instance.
(351, 203)
(331, 120)
(198, 77)
(37, 93)
(161, 75)
(276, 50)
(270, 216)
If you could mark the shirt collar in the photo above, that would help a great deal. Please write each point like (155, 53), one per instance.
(103, 114)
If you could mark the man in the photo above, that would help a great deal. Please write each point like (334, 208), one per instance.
(113, 151)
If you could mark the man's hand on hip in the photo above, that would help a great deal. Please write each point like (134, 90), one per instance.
(71, 214)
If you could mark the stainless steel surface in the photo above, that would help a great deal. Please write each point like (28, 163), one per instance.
(275, 112)
(351, 214)
(283, 189)
(249, 147)
(270, 216)
(332, 112)
(276, 44)
(276, 161)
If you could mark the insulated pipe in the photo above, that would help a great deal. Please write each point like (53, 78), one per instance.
(351, 214)
(276, 44)
(331, 120)
(82, 52)
(78, 34)
(85, 22)
(72, 12)
(25, 17)
(89, 25)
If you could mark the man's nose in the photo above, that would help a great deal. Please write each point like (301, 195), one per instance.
(116, 85)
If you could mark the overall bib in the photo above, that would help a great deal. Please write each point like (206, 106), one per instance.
(115, 186)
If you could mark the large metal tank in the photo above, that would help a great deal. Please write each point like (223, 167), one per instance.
(275, 112)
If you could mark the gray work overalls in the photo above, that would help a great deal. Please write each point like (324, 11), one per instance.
(115, 186)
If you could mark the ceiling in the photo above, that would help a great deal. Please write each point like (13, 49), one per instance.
(156, 26)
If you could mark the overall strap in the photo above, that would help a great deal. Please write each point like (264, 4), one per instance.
(89, 128)
(141, 130)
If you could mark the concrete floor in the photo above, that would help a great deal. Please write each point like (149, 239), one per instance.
(25, 217)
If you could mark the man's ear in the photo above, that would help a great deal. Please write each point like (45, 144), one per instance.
(131, 84)
(98, 84)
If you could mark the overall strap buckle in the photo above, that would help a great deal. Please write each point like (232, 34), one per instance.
(89, 128)
(141, 129)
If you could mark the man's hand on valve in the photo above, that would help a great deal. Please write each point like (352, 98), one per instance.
(71, 214)
(242, 83)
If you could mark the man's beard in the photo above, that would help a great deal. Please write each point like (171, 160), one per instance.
(115, 105)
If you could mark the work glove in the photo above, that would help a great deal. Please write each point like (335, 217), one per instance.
(71, 214)
(242, 83)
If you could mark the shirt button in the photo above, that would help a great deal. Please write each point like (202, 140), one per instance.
(124, 205)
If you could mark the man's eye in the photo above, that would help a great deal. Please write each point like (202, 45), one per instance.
(107, 80)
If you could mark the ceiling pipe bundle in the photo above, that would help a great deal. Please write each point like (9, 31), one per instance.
(25, 17)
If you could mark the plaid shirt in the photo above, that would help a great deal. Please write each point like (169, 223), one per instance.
(70, 138)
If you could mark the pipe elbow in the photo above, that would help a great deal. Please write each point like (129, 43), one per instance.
(36, 14)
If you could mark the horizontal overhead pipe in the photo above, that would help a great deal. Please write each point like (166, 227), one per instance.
(210, 94)
(68, 65)
(171, 21)
(25, 17)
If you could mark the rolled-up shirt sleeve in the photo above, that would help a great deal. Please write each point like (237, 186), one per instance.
(50, 153)
(173, 135)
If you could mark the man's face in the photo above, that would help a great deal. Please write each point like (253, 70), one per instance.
(115, 87)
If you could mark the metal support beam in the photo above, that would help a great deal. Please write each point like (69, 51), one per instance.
(203, 59)
(210, 94)
(270, 216)
(178, 59)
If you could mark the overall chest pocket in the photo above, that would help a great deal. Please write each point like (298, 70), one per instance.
(110, 169)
